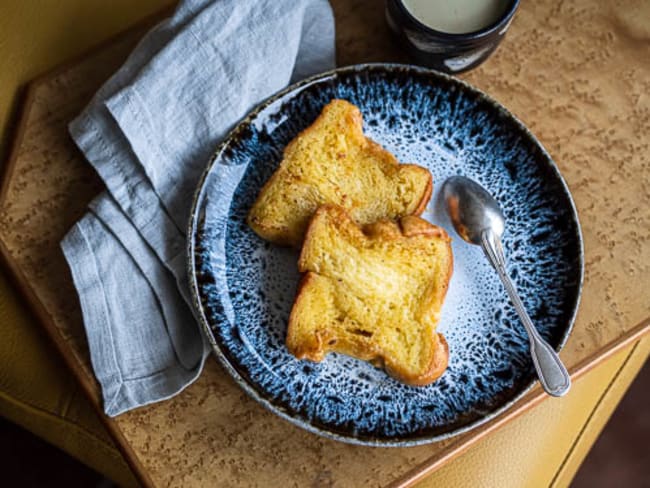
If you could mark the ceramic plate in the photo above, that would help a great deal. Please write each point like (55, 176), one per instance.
(244, 287)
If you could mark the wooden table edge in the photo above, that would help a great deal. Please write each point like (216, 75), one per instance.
(90, 388)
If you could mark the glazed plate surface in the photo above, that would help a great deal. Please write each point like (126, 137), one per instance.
(244, 287)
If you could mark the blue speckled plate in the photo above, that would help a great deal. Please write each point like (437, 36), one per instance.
(244, 287)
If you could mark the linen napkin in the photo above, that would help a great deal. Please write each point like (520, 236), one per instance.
(149, 132)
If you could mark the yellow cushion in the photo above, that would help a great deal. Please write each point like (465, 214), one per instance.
(37, 36)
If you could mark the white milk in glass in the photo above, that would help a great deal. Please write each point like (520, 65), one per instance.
(456, 16)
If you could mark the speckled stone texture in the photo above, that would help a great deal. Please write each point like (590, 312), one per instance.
(577, 73)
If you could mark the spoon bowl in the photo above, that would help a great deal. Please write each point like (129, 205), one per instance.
(472, 209)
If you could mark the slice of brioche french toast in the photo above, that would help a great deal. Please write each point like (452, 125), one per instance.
(333, 162)
(374, 293)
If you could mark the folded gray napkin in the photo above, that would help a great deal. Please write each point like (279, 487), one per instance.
(149, 132)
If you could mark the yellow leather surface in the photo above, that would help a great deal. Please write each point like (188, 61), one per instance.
(36, 391)
(36, 35)
(546, 445)
(602, 411)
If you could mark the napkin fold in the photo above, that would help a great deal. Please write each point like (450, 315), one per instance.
(149, 132)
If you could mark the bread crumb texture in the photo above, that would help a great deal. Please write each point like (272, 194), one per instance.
(332, 162)
(373, 292)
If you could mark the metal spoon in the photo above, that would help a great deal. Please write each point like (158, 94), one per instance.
(478, 219)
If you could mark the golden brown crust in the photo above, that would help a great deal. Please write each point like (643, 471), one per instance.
(354, 124)
(261, 228)
(426, 196)
(315, 346)
(382, 153)
(298, 346)
(323, 209)
(412, 226)
(437, 366)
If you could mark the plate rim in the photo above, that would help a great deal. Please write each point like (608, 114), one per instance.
(395, 441)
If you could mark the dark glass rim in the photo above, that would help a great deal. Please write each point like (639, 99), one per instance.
(465, 36)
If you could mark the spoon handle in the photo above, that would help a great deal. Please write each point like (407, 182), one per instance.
(551, 372)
